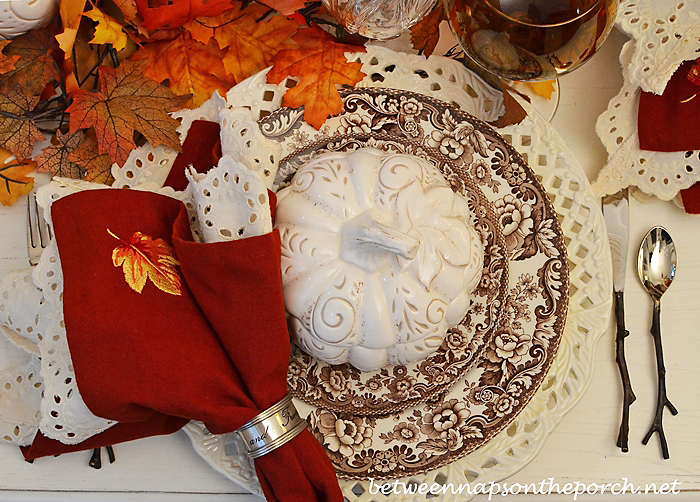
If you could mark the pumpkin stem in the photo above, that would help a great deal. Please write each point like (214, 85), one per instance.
(365, 233)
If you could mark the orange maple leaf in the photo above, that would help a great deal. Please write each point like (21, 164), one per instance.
(13, 178)
(127, 8)
(97, 167)
(71, 12)
(7, 63)
(126, 102)
(285, 7)
(107, 31)
(54, 157)
(426, 33)
(251, 42)
(174, 14)
(144, 258)
(191, 67)
(321, 64)
(17, 132)
(35, 66)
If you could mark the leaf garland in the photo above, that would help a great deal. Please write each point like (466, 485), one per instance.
(104, 77)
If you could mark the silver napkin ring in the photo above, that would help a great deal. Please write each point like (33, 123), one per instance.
(272, 428)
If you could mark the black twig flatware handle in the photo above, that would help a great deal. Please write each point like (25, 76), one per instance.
(662, 400)
(628, 394)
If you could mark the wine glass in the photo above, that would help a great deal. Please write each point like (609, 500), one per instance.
(530, 40)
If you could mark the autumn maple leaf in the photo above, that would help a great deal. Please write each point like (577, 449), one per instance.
(71, 12)
(13, 178)
(144, 258)
(17, 133)
(190, 66)
(175, 14)
(35, 67)
(321, 65)
(97, 166)
(426, 33)
(7, 63)
(54, 157)
(251, 42)
(107, 31)
(126, 102)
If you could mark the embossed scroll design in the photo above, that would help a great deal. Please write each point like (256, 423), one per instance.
(502, 191)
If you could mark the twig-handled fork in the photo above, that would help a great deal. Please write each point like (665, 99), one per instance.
(38, 231)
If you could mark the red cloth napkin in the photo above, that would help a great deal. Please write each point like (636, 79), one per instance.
(151, 360)
(671, 123)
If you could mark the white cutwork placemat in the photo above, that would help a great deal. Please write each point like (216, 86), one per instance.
(589, 266)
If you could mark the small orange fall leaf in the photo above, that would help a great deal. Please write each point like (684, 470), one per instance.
(127, 8)
(108, 31)
(426, 33)
(144, 258)
(126, 102)
(71, 12)
(13, 178)
(190, 66)
(7, 63)
(321, 64)
(544, 89)
(285, 7)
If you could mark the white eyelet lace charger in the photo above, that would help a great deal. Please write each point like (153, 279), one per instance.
(665, 34)
(231, 202)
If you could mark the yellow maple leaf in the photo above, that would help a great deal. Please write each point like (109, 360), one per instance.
(108, 30)
(144, 258)
(13, 178)
(71, 12)
(544, 89)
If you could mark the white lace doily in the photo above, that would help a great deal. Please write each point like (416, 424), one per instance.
(21, 389)
(667, 33)
(662, 174)
(590, 274)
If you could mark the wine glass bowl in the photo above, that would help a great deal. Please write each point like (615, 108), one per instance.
(530, 40)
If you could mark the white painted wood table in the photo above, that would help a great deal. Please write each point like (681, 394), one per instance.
(581, 449)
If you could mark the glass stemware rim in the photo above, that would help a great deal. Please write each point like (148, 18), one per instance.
(543, 25)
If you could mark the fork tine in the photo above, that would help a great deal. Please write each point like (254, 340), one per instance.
(38, 233)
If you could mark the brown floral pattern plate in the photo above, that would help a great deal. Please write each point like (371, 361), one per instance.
(341, 387)
(516, 352)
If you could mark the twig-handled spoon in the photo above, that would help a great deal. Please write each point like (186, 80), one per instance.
(656, 265)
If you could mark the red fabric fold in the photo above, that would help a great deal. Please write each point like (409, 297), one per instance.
(218, 352)
(668, 123)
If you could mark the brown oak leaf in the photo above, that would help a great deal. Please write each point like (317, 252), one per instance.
(17, 132)
(13, 178)
(513, 112)
(426, 33)
(190, 67)
(35, 67)
(97, 166)
(7, 63)
(54, 158)
(127, 101)
(251, 41)
(321, 64)
(144, 258)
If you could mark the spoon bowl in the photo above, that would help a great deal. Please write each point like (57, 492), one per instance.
(656, 265)
(657, 262)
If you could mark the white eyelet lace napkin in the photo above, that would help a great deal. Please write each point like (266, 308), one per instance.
(665, 34)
